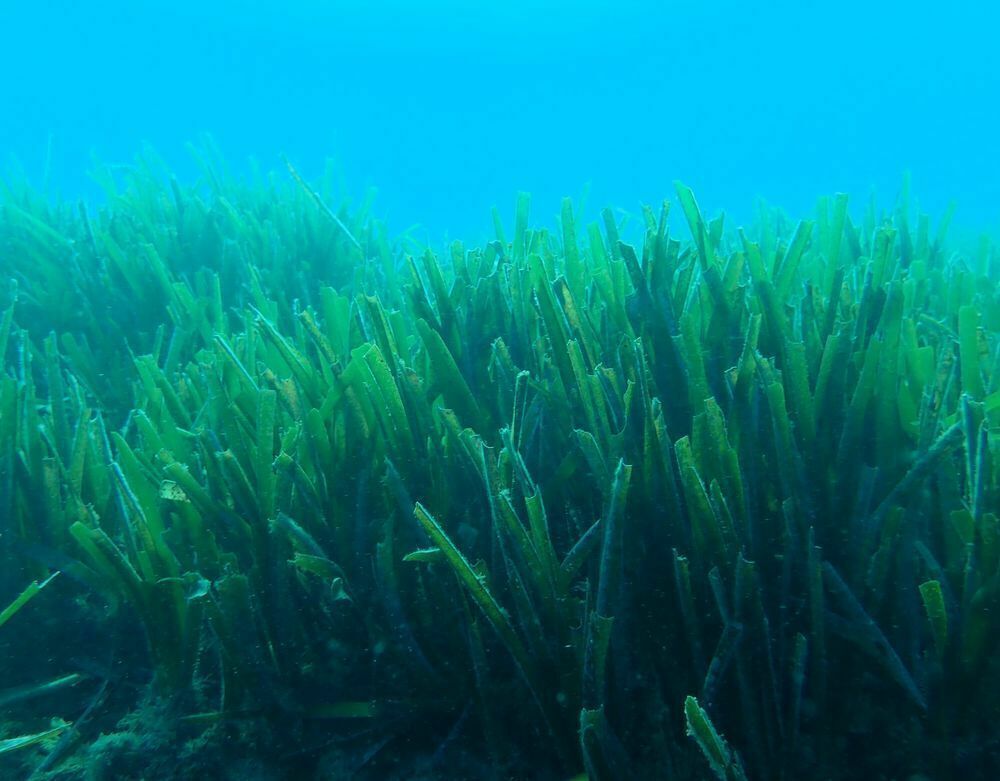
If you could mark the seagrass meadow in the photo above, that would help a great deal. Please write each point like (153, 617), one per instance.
(285, 496)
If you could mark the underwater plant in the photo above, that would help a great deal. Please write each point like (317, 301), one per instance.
(607, 502)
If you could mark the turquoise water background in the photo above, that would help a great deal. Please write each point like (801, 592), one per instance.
(451, 107)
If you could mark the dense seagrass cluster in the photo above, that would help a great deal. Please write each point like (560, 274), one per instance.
(310, 501)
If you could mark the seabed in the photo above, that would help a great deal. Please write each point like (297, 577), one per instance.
(285, 496)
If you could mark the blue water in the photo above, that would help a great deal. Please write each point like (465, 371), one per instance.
(451, 107)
